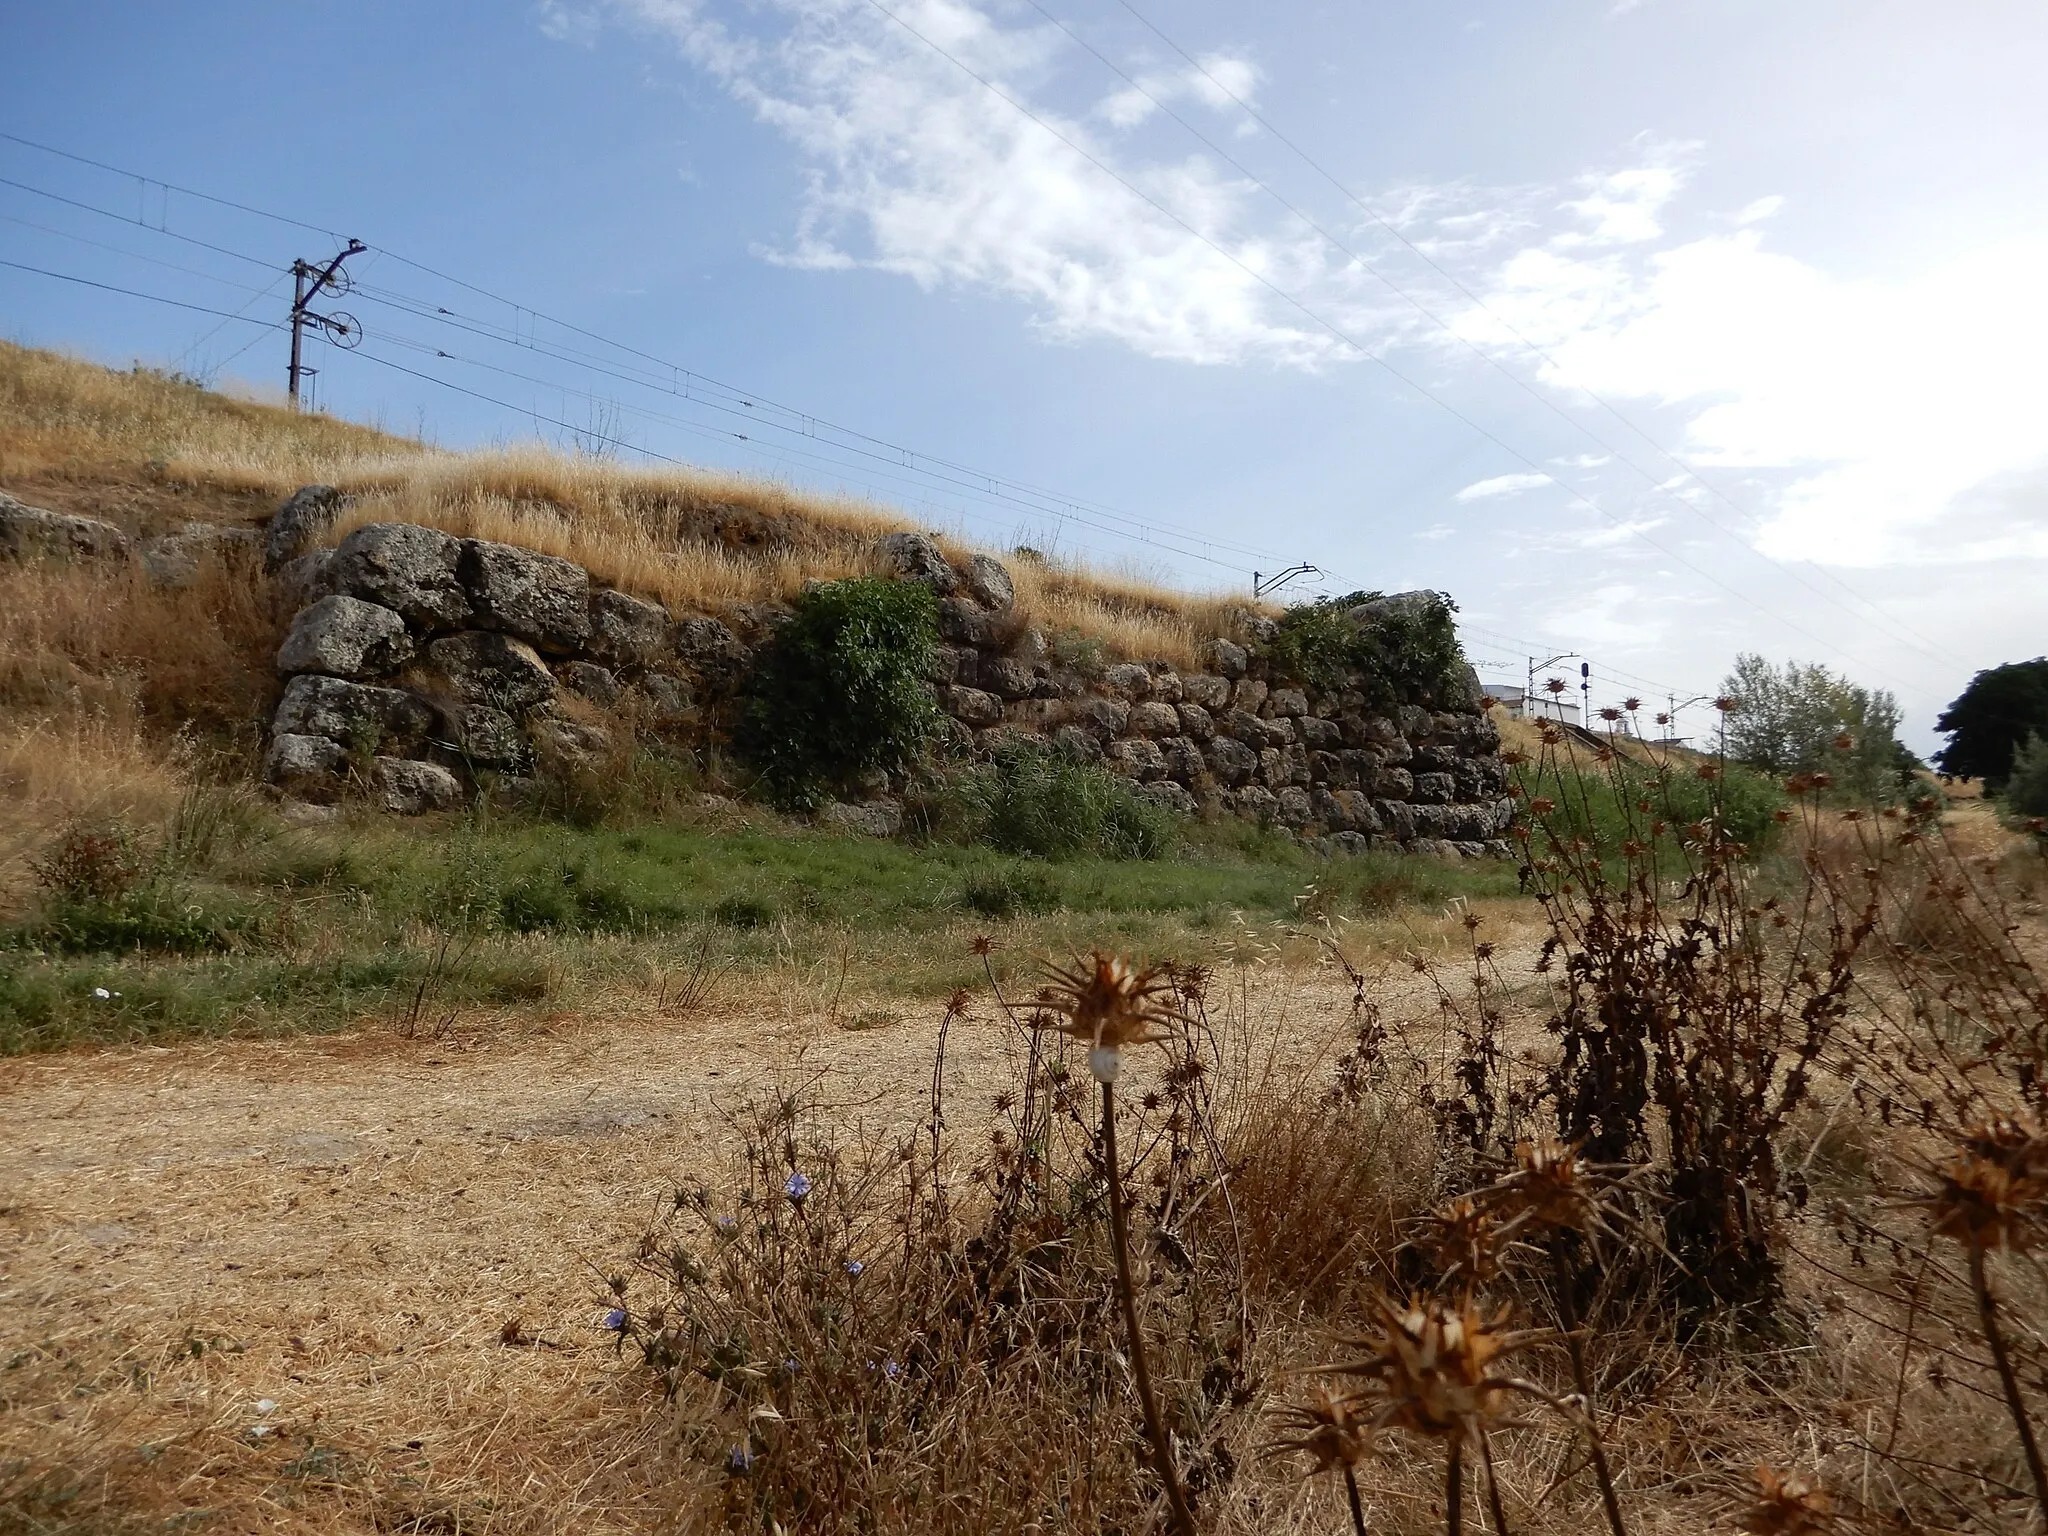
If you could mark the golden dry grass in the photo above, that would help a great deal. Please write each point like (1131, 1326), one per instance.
(698, 540)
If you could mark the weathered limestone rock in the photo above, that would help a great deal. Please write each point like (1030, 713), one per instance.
(973, 706)
(408, 787)
(1135, 757)
(1232, 762)
(303, 580)
(1155, 719)
(345, 637)
(1293, 805)
(1166, 685)
(306, 514)
(1196, 722)
(598, 684)
(1127, 680)
(571, 742)
(871, 818)
(1320, 734)
(1287, 703)
(1105, 717)
(964, 622)
(626, 631)
(1169, 796)
(483, 667)
(1005, 675)
(917, 557)
(1392, 783)
(712, 651)
(28, 532)
(414, 571)
(1249, 694)
(990, 583)
(175, 559)
(540, 599)
(1206, 689)
(1434, 788)
(1077, 744)
(1184, 759)
(383, 719)
(1226, 657)
(668, 699)
(308, 767)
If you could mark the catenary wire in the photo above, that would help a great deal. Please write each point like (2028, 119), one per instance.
(1685, 467)
(1336, 331)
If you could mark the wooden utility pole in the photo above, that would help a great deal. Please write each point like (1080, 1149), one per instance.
(308, 283)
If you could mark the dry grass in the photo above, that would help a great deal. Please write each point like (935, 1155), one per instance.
(698, 540)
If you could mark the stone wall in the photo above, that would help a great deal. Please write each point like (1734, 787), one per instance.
(430, 665)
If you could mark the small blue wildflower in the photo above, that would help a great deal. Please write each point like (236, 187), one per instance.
(615, 1320)
(739, 1461)
(790, 1366)
(797, 1187)
(854, 1268)
(724, 1224)
(891, 1369)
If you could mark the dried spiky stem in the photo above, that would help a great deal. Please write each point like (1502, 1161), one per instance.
(1987, 1313)
(1493, 1504)
(1162, 1452)
(1357, 1504)
(1582, 1382)
(1454, 1487)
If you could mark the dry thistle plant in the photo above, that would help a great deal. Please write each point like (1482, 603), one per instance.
(1107, 1005)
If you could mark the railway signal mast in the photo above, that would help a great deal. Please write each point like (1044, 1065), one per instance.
(308, 283)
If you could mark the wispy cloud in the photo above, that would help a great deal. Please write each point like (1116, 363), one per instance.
(1501, 485)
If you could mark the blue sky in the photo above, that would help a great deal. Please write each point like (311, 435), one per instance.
(1425, 294)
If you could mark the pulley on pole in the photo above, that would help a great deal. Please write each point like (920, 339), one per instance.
(308, 283)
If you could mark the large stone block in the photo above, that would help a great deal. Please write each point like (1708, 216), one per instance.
(416, 572)
(1106, 717)
(598, 684)
(1323, 735)
(1127, 680)
(917, 557)
(1006, 676)
(1391, 783)
(177, 558)
(1167, 686)
(990, 583)
(973, 706)
(869, 818)
(1077, 744)
(1154, 719)
(311, 768)
(1289, 703)
(1248, 694)
(1245, 726)
(628, 631)
(712, 651)
(345, 637)
(1196, 721)
(29, 532)
(1184, 760)
(407, 787)
(1169, 796)
(1232, 762)
(487, 668)
(1293, 806)
(1135, 757)
(541, 599)
(962, 621)
(379, 719)
(306, 514)
(1434, 788)
(1226, 657)
(1205, 689)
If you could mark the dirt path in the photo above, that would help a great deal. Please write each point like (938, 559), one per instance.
(344, 1227)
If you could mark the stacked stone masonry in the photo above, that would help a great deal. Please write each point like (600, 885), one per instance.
(426, 665)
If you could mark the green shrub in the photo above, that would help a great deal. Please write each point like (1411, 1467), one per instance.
(1008, 891)
(1034, 801)
(744, 912)
(1591, 799)
(2026, 791)
(840, 691)
(570, 898)
(158, 916)
(1408, 656)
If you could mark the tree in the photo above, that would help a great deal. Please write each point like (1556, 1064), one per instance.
(1795, 718)
(2026, 792)
(1990, 718)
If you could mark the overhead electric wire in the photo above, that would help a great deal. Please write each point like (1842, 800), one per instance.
(108, 213)
(168, 186)
(1904, 633)
(1068, 509)
(1065, 509)
(134, 293)
(1926, 645)
(1340, 334)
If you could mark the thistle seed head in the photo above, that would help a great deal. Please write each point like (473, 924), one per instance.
(1993, 1192)
(1789, 1504)
(1430, 1367)
(1328, 1429)
(1106, 1005)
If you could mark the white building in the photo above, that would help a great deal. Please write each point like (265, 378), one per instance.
(1515, 700)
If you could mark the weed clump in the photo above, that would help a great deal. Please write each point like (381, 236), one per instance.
(1401, 653)
(840, 691)
(1033, 801)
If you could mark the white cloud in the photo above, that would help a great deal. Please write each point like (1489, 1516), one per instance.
(1501, 485)
(1763, 208)
(919, 169)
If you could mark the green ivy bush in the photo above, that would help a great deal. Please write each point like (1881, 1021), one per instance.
(1404, 657)
(840, 691)
(1031, 800)
(2026, 791)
